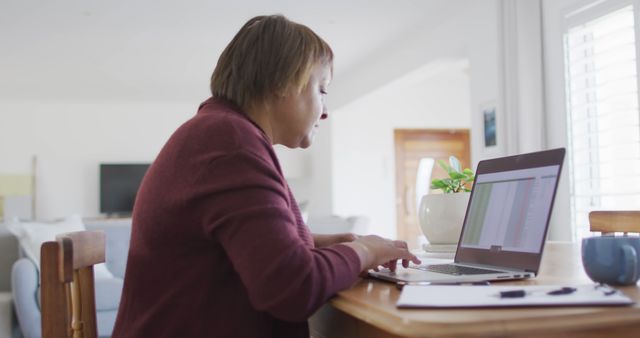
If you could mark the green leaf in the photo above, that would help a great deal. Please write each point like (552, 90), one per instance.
(457, 180)
(455, 163)
(444, 165)
(456, 175)
(437, 184)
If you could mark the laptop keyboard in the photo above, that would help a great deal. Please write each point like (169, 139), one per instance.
(450, 269)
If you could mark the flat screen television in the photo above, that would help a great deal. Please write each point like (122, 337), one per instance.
(119, 184)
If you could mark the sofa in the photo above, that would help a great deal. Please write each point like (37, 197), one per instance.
(25, 282)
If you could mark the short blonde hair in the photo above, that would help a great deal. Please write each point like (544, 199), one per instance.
(269, 55)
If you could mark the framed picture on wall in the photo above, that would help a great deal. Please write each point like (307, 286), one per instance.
(490, 127)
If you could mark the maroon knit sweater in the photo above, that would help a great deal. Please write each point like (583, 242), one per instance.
(218, 246)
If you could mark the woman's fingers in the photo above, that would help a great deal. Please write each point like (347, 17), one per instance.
(376, 252)
(401, 244)
(409, 257)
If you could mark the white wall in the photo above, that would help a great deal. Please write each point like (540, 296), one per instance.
(523, 80)
(71, 139)
(522, 87)
(553, 14)
(503, 43)
(363, 142)
(483, 48)
(555, 115)
(363, 155)
(467, 30)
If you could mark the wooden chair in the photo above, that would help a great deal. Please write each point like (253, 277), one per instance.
(610, 222)
(67, 286)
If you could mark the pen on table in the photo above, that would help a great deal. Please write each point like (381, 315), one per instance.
(521, 293)
(512, 294)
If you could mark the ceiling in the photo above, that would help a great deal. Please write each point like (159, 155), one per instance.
(88, 50)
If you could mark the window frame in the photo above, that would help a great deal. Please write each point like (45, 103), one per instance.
(576, 15)
(555, 128)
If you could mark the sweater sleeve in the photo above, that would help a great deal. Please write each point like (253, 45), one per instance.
(248, 213)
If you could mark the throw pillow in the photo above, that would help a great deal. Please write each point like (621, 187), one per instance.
(31, 235)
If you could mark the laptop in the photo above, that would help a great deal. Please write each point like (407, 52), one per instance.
(505, 224)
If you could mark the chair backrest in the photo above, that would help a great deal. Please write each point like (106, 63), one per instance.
(67, 286)
(608, 222)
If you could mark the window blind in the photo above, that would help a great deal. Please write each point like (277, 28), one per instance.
(603, 116)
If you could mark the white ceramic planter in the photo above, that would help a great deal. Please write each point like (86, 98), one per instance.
(441, 217)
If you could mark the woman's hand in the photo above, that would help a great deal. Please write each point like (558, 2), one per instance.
(375, 251)
(322, 240)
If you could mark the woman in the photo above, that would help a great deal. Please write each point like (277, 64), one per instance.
(218, 246)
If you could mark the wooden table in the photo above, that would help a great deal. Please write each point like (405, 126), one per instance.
(368, 310)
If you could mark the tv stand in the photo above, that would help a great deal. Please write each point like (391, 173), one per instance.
(112, 218)
(101, 222)
(118, 215)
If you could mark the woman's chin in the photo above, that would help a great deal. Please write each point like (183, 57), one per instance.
(305, 144)
(307, 141)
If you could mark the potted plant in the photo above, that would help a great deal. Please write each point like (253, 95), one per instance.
(441, 215)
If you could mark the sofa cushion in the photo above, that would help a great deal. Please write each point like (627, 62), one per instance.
(118, 233)
(24, 284)
(31, 235)
(108, 292)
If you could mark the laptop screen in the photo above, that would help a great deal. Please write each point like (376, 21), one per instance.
(509, 210)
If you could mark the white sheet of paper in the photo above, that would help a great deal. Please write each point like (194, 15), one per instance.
(489, 296)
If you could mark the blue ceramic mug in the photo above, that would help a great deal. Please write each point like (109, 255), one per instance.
(612, 260)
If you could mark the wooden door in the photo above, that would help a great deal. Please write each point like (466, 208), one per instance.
(410, 146)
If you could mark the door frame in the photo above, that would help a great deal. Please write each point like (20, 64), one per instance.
(434, 134)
